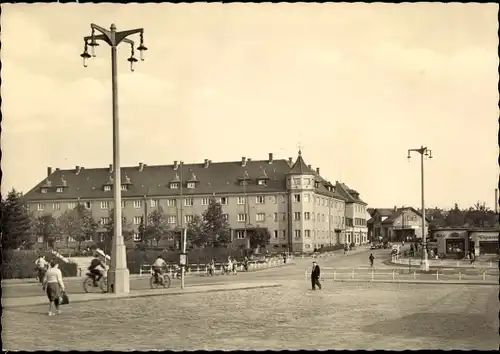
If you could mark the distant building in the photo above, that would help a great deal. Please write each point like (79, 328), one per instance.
(301, 209)
(396, 224)
(456, 242)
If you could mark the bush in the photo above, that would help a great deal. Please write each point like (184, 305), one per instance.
(21, 264)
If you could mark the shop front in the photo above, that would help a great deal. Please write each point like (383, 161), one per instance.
(485, 242)
(451, 243)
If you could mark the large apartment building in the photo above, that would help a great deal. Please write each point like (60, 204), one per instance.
(301, 209)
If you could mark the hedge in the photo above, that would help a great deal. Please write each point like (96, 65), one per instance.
(19, 264)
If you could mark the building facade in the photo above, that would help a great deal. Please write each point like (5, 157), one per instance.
(456, 242)
(301, 209)
(397, 224)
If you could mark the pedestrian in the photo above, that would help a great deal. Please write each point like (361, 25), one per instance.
(371, 258)
(53, 285)
(315, 273)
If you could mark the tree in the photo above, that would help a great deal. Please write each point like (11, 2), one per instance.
(195, 231)
(79, 224)
(436, 217)
(479, 216)
(46, 227)
(455, 217)
(156, 228)
(216, 228)
(127, 231)
(260, 237)
(16, 222)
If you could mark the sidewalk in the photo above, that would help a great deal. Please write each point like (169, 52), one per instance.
(76, 298)
(145, 275)
(416, 281)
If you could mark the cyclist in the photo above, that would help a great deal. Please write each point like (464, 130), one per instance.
(41, 267)
(158, 266)
(371, 259)
(94, 270)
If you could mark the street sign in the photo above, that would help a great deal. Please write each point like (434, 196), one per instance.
(183, 259)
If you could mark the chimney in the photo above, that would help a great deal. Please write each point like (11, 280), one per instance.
(496, 200)
(270, 158)
(78, 169)
(395, 208)
(207, 163)
(243, 161)
(249, 159)
(290, 160)
(176, 165)
(110, 168)
(141, 166)
(49, 172)
(310, 166)
(317, 170)
(58, 169)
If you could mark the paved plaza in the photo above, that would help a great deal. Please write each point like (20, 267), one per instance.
(342, 315)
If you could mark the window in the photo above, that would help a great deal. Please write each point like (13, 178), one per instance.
(174, 185)
(274, 199)
(275, 216)
(172, 219)
(283, 216)
(260, 199)
(296, 216)
(137, 220)
(297, 233)
(240, 234)
(283, 233)
(154, 203)
(59, 190)
(307, 198)
(307, 233)
(223, 200)
(72, 205)
(225, 216)
(188, 218)
(171, 202)
(318, 217)
(260, 217)
(44, 190)
(296, 198)
(261, 182)
(282, 198)
(104, 221)
(102, 237)
(242, 217)
(137, 237)
(124, 187)
(188, 202)
(323, 217)
(104, 205)
(72, 239)
(40, 207)
(241, 200)
(307, 215)
(87, 205)
(276, 233)
(191, 185)
(39, 239)
(137, 204)
(56, 206)
(107, 188)
(205, 201)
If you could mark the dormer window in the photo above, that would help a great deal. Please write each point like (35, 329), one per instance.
(191, 185)
(124, 187)
(243, 183)
(174, 185)
(107, 188)
(261, 182)
(44, 190)
(191, 182)
(59, 189)
(316, 184)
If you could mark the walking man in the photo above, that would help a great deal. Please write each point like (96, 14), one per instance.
(315, 272)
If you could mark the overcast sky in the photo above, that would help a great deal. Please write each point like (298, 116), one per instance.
(356, 85)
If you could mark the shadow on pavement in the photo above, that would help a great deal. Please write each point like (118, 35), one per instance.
(438, 325)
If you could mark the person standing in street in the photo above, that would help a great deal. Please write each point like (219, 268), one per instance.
(53, 284)
(315, 273)
(371, 259)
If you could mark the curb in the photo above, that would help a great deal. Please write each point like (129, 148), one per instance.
(152, 294)
(485, 283)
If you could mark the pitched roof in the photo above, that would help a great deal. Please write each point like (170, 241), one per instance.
(350, 194)
(219, 178)
(300, 167)
(395, 214)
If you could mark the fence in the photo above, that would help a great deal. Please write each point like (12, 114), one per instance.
(372, 274)
(446, 263)
(202, 269)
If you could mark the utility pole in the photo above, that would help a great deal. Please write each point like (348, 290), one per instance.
(183, 233)
(245, 181)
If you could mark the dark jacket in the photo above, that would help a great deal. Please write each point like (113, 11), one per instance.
(315, 272)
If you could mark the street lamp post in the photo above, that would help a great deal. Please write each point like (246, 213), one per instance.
(423, 151)
(118, 273)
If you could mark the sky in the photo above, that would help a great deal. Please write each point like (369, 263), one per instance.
(354, 85)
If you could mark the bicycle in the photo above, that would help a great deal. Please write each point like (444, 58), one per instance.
(163, 280)
(89, 287)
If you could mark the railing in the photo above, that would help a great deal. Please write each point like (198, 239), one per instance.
(443, 263)
(203, 269)
(373, 274)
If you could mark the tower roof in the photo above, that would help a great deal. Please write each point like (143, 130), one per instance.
(300, 167)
